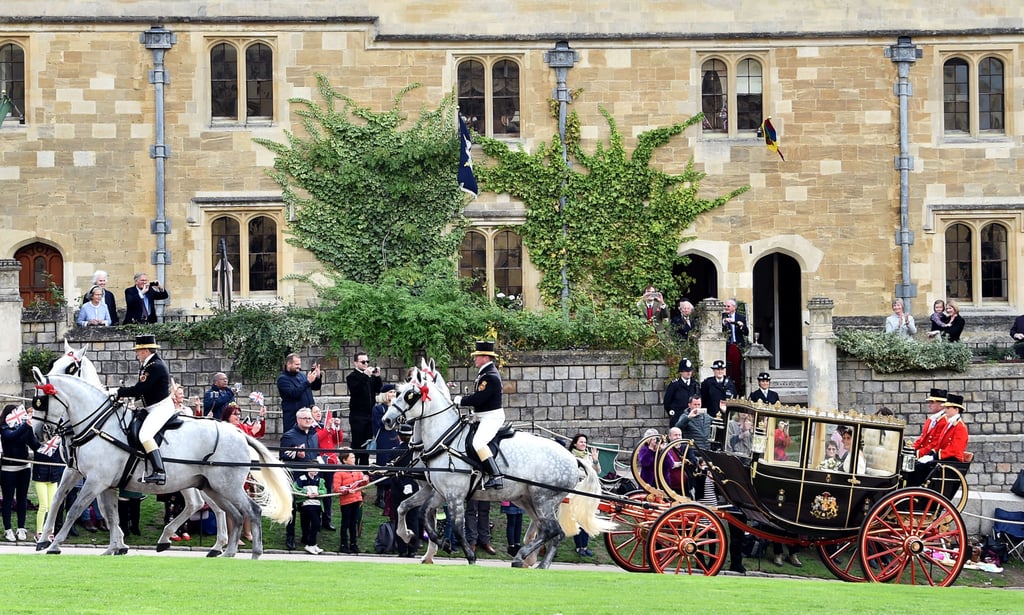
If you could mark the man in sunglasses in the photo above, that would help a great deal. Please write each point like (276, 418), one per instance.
(363, 385)
(296, 389)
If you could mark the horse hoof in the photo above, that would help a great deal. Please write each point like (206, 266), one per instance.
(43, 545)
(121, 551)
(213, 553)
(162, 546)
(518, 564)
(53, 552)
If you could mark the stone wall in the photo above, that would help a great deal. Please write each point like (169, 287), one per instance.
(994, 397)
(611, 398)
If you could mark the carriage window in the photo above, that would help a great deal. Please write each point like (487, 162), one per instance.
(738, 433)
(827, 448)
(880, 449)
(786, 440)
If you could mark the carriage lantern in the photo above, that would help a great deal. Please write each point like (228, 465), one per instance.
(909, 457)
(759, 442)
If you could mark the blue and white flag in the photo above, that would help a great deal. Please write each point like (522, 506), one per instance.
(467, 181)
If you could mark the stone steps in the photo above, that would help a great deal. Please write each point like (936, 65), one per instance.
(791, 385)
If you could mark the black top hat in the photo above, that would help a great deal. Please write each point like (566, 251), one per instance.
(685, 365)
(405, 429)
(764, 376)
(146, 341)
(485, 348)
(936, 395)
(719, 364)
(955, 401)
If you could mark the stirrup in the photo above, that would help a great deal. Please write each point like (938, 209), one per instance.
(495, 483)
(156, 478)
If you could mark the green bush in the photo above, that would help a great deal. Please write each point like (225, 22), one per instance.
(35, 356)
(888, 353)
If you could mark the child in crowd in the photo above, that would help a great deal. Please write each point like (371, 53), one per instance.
(348, 484)
(310, 488)
(513, 526)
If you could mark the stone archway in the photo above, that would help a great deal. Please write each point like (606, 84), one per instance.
(42, 267)
(705, 278)
(777, 314)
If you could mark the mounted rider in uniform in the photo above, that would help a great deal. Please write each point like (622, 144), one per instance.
(154, 388)
(486, 403)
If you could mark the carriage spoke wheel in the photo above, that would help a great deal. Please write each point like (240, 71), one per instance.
(842, 559)
(687, 539)
(913, 536)
(951, 483)
(626, 544)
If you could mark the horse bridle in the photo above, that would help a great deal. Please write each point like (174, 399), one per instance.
(94, 418)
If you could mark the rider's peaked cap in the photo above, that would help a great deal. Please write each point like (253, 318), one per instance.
(955, 401)
(686, 365)
(484, 348)
(936, 395)
(146, 341)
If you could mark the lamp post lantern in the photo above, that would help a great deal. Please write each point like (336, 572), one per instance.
(562, 58)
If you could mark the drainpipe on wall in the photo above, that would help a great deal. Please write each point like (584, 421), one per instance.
(159, 40)
(903, 54)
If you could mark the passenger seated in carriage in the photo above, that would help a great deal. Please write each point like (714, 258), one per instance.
(846, 459)
(831, 460)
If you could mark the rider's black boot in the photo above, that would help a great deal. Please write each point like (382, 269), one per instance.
(495, 480)
(158, 477)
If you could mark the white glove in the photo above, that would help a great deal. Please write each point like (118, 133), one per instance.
(112, 392)
(458, 400)
(925, 459)
(407, 490)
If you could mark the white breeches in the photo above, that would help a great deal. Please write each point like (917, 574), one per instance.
(489, 424)
(158, 414)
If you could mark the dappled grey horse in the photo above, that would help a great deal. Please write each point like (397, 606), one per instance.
(539, 472)
(210, 455)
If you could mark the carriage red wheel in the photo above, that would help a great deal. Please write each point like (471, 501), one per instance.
(842, 559)
(627, 543)
(687, 539)
(913, 536)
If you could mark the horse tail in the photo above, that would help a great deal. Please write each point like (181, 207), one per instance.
(581, 510)
(277, 504)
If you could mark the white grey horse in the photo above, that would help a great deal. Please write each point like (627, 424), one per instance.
(538, 472)
(75, 362)
(210, 455)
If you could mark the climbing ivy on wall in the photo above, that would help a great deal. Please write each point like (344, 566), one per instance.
(368, 195)
(624, 219)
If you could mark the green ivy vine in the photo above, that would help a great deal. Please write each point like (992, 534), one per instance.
(367, 195)
(624, 220)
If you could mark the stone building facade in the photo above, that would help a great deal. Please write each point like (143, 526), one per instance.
(837, 218)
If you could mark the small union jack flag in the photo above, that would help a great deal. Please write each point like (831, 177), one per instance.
(17, 416)
(50, 447)
(256, 397)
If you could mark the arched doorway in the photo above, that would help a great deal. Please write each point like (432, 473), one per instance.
(778, 308)
(42, 268)
(705, 279)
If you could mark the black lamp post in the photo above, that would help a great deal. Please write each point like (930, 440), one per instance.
(562, 58)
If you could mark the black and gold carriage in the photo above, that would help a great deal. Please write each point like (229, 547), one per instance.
(869, 513)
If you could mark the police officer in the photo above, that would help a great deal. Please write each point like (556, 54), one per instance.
(486, 403)
(764, 392)
(679, 392)
(154, 388)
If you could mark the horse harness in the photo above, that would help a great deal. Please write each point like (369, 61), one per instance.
(445, 442)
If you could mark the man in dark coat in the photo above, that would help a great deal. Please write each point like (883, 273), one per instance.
(294, 446)
(487, 408)
(140, 300)
(679, 392)
(296, 389)
(716, 389)
(364, 384)
(154, 389)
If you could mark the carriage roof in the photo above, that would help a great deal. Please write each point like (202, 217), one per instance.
(846, 417)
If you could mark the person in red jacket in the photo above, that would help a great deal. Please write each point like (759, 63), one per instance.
(328, 450)
(934, 424)
(952, 442)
